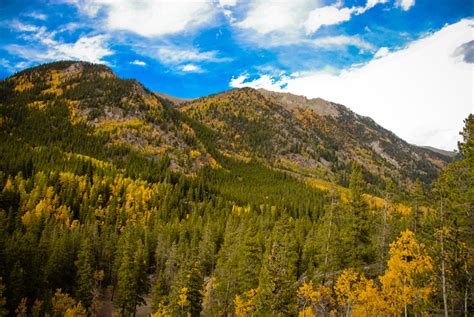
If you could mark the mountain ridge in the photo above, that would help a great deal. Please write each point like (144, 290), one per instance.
(311, 132)
(309, 137)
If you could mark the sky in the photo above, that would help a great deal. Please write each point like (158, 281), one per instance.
(408, 64)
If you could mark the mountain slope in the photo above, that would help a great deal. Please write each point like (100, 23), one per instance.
(310, 137)
(122, 112)
(314, 138)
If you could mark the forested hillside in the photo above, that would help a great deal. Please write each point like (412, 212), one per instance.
(108, 190)
(311, 137)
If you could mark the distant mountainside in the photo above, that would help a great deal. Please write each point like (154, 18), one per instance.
(451, 154)
(307, 137)
(310, 137)
(122, 111)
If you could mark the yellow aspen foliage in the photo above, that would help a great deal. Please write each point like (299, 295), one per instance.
(240, 210)
(407, 280)
(369, 301)
(307, 312)
(245, 303)
(183, 300)
(311, 295)
(345, 289)
(62, 302)
(22, 307)
(162, 311)
(194, 154)
(212, 162)
(76, 311)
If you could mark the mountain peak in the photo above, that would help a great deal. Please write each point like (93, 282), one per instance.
(68, 69)
(291, 102)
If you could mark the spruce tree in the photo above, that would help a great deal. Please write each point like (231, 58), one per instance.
(277, 281)
(126, 282)
(359, 230)
(85, 271)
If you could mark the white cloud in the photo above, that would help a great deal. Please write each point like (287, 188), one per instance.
(372, 3)
(19, 26)
(43, 48)
(264, 81)
(92, 49)
(150, 18)
(227, 3)
(413, 91)
(37, 16)
(405, 4)
(383, 51)
(283, 16)
(283, 23)
(138, 63)
(332, 15)
(177, 55)
(329, 15)
(191, 68)
(341, 41)
(4, 63)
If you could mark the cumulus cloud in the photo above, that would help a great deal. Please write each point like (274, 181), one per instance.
(413, 91)
(282, 23)
(332, 15)
(329, 15)
(265, 17)
(87, 48)
(383, 51)
(43, 47)
(138, 62)
(150, 18)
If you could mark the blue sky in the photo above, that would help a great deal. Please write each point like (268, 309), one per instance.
(195, 48)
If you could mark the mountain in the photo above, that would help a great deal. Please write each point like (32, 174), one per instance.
(305, 137)
(122, 111)
(114, 198)
(451, 154)
(310, 137)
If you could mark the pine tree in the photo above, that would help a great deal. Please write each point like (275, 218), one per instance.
(126, 281)
(132, 279)
(277, 281)
(453, 225)
(85, 271)
(359, 231)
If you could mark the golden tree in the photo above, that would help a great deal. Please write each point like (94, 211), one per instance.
(407, 280)
(183, 300)
(245, 304)
(312, 298)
